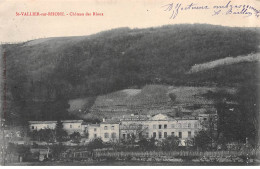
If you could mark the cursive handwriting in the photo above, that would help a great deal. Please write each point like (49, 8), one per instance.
(228, 8)
(180, 7)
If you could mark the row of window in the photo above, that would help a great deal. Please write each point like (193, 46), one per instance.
(129, 135)
(40, 127)
(106, 135)
(72, 126)
(49, 127)
(160, 135)
(179, 125)
(106, 127)
(165, 134)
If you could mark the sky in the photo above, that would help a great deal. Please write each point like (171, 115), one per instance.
(116, 13)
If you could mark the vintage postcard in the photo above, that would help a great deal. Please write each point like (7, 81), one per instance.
(129, 82)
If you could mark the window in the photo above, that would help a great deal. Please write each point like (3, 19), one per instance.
(32, 127)
(112, 127)
(113, 135)
(165, 134)
(78, 126)
(189, 125)
(189, 134)
(179, 125)
(160, 134)
(165, 126)
(195, 125)
(160, 126)
(106, 135)
(70, 126)
(95, 129)
(124, 136)
(105, 128)
(172, 133)
(47, 126)
(154, 134)
(172, 126)
(154, 126)
(128, 136)
(146, 135)
(180, 134)
(205, 119)
(95, 135)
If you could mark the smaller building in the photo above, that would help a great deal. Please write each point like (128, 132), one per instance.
(109, 131)
(38, 125)
(93, 131)
(70, 126)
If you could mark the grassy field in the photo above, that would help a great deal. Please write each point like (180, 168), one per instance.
(150, 99)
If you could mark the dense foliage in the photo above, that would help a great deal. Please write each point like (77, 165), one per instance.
(238, 114)
(43, 75)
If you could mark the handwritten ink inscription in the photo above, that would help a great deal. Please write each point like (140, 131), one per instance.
(218, 9)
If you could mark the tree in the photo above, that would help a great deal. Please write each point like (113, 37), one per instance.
(151, 144)
(57, 149)
(202, 140)
(75, 137)
(132, 138)
(229, 117)
(143, 143)
(96, 144)
(61, 134)
(248, 104)
(239, 120)
(47, 135)
(170, 143)
(173, 97)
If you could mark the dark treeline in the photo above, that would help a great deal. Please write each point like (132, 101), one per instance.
(43, 75)
(238, 114)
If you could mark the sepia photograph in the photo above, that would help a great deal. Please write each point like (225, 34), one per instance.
(129, 82)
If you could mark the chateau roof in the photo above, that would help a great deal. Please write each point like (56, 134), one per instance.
(111, 121)
(42, 122)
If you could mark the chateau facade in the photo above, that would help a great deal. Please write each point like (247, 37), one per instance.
(159, 126)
